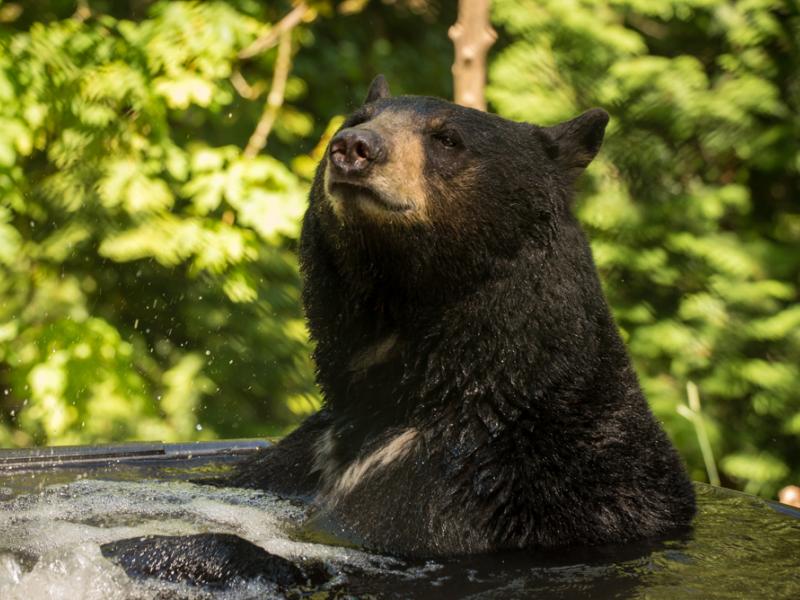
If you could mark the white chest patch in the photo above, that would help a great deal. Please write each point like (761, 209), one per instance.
(324, 461)
(373, 355)
(339, 484)
(360, 469)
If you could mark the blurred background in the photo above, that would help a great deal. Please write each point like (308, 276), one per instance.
(155, 157)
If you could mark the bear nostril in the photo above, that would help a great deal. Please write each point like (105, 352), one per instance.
(339, 146)
(361, 149)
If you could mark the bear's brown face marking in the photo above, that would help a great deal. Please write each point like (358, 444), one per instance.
(391, 186)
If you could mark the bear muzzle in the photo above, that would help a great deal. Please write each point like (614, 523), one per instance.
(374, 170)
(353, 176)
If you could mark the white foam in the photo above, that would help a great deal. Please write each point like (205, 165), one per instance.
(79, 572)
(62, 527)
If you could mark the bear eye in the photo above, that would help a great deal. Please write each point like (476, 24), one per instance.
(447, 138)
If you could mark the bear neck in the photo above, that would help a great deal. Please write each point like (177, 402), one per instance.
(534, 343)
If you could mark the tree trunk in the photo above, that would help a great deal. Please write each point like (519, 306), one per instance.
(472, 37)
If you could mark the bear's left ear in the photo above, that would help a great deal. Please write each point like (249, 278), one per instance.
(576, 142)
(377, 89)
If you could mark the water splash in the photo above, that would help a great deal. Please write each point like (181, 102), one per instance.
(51, 531)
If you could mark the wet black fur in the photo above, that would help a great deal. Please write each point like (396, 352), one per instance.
(533, 430)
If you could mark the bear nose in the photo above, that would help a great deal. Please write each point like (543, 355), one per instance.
(353, 151)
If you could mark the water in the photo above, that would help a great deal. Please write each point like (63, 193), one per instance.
(52, 523)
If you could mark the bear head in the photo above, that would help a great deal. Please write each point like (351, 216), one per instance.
(419, 192)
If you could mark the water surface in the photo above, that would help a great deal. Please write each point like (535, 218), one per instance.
(52, 523)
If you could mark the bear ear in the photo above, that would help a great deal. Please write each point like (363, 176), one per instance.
(576, 142)
(377, 89)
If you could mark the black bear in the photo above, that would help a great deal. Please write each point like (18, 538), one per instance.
(477, 393)
(478, 396)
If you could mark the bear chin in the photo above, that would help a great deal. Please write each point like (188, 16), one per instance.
(364, 198)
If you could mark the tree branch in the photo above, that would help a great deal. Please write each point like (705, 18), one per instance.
(472, 36)
(271, 37)
(245, 90)
(283, 65)
(82, 11)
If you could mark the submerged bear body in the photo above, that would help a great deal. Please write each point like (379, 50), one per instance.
(477, 393)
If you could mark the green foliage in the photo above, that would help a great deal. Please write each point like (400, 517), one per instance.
(148, 279)
(143, 269)
(692, 205)
(149, 285)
